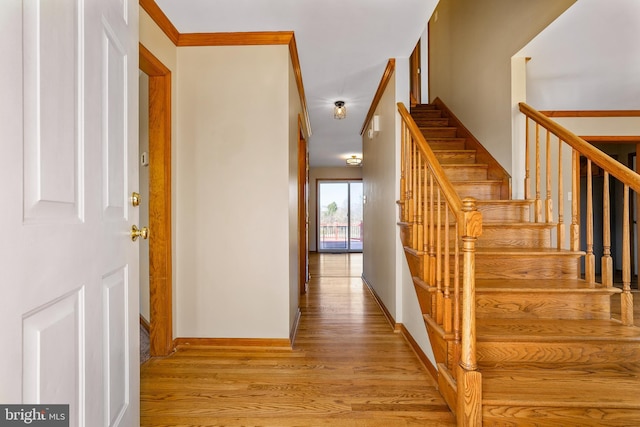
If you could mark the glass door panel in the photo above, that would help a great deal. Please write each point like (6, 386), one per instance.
(340, 216)
(355, 216)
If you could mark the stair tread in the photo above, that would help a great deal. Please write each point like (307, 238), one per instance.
(532, 285)
(516, 224)
(555, 330)
(477, 181)
(527, 251)
(464, 165)
(437, 127)
(576, 385)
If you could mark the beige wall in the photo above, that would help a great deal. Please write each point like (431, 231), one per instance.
(316, 174)
(232, 236)
(472, 43)
(379, 173)
(234, 159)
(295, 111)
(385, 266)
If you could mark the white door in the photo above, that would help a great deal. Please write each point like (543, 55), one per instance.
(68, 164)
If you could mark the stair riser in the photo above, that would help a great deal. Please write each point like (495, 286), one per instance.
(416, 266)
(431, 121)
(538, 305)
(488, 190)
(458, 158)
(525, 267)
(494, 236)
(570, 416)
(503, 212)
(500, 235)
(439, 345)
(444, 144)
(439, 132)
(405, 234)
(557, 352)
(462, 173)
(428, 114)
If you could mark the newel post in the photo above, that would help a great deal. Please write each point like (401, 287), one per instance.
(469, 379)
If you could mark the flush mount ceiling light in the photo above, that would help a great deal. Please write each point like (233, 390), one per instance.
(340, 111)
(354, 161)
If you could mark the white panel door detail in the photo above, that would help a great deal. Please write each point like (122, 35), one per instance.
(68, 163)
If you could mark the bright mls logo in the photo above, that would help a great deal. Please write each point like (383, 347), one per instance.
(34, 415)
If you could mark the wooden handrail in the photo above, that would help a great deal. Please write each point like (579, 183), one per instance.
(620, 171)
(428, 203)
(386, 77)
(449, 192)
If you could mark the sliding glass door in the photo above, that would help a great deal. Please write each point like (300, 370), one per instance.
(340, 216)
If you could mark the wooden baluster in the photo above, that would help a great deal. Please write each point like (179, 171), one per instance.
(410, 181)
(425, 230)
(561, 232)
(626, 299)
(403, 171)
(413, 205)
(428, 250)
(432, 235)
(420, 200)
(538, 202)
(607, 261)
(439, 296)
(527, 178)
(548, 201)
(590, 258)
(575, 201)
(469, 379)
(447, 324)
(457, 316)
(470, 234)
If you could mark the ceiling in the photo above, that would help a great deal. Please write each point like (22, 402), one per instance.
(343, 46)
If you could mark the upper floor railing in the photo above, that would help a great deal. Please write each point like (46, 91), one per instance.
(563, 163)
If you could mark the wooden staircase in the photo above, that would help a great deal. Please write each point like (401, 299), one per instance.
(548, 352)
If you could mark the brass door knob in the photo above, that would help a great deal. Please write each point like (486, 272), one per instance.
(135, 199)
(139, 232)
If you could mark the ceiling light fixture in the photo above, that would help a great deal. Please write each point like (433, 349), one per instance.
(354, 161)
(340, 111)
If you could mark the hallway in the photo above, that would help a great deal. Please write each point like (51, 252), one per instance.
(347, 368)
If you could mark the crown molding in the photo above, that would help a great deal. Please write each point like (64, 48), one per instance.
(233, 39)
(386, 76)
(161, 20)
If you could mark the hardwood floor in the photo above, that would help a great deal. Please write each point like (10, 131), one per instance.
(347, 368)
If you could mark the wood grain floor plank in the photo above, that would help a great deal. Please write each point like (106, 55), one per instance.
(347, 368)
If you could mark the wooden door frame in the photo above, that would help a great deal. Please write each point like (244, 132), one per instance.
(319, 207)
(414, 75)
(303, 210)
(160, 261)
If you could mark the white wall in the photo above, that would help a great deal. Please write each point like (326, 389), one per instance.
(232, 237)
(587, 59)
(316, 174)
